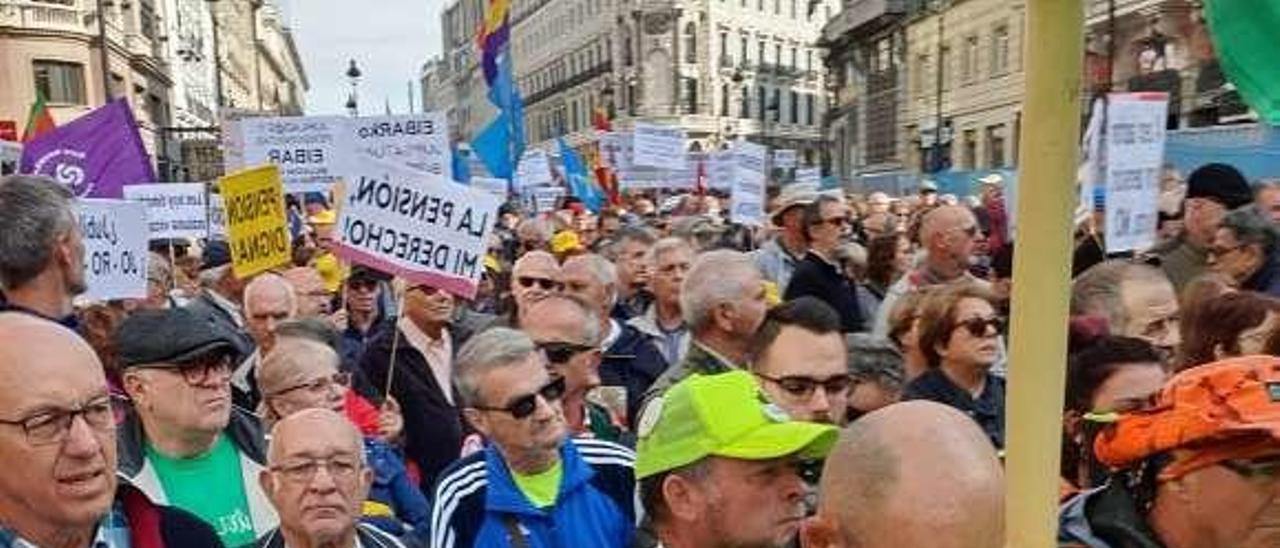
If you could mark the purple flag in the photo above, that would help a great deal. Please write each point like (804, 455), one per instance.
(95, 155)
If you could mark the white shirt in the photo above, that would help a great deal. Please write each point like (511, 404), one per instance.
(438, 352)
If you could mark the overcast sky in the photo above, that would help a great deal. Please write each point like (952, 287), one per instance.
(389, 39)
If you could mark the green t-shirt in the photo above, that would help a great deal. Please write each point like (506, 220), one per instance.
(542, 488)
(209, 486)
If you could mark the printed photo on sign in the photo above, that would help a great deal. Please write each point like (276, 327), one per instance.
(115, 248)
(174, 210)
(433, 233)
(257, 226)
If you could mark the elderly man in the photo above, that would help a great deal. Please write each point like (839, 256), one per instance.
(777, 258)
(707, 482)
(799, 357)
(531, 485)
(313, 299)
(949, 235)
(222, 293)
(723, 301)
(319, 510)
(820, 274)
(663, 321)
(533, 277)
(630, 252)
(269, 299)
(1212, 191)
(185, 444)
(911, 475)
(59, 487)
(41, 249)
(1137, 301)
(631, 360)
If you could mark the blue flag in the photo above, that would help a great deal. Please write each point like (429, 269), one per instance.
(502, 142)
(460, 168)
(579, 184)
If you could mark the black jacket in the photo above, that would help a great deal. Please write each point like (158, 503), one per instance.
(987, 410)
(367, 536)
(815, 277)
(433, 427)
(632, 362)
(163, 526)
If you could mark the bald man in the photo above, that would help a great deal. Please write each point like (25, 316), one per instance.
(949, 235)
(60, 483)
(319, 510)
(882, 485)
(269, 299)
(312, 297)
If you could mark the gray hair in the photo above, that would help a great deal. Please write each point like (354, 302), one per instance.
(604, 272)
(716, 277)
(34, 213)
(629, 234)
(1099, 290)
(668, 245)
(875, 359)
(263, 279)
(854, 254)
(492, 349)
(1251, 227)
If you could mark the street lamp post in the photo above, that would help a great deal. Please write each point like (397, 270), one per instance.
(939, 9)
(353, 74)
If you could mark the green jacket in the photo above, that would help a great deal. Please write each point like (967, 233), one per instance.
(1184, 262)
(699, 359)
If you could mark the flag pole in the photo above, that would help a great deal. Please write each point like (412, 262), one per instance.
(1042, 270)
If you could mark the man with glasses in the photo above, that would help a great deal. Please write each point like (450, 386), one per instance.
(1200, 466)
(365, 310)
(318, 480)
(949, 236)
(799, 358)
(532, 485)
(535, 276)
(58, 446)
(819, 274)
(185, 444)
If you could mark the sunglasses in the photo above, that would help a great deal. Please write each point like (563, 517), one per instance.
(523, 406)
(838, 222)
(978, 326)
(527, 282)
(562, 352)
(801, 386)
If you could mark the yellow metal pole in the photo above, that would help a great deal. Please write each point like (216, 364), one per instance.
(1042, 268)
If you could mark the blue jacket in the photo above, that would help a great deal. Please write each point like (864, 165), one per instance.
(632, 362)
(398, 501)
(477, 502)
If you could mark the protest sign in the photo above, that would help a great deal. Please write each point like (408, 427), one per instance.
(10, 156)
(435, 234)
(217, 217)
(94, 155)
(312, 152)
(809, 175)
(174, 210)
(492, 185)
(534, 170)
(257, 226)
(543, 199)
(1134, 141)
(115, 248)
(420, 141)
(784, 159)
(615, 150)
(658, 146)
(722, 166)
(746, 198)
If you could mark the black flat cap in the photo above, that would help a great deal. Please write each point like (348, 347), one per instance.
(169, 338)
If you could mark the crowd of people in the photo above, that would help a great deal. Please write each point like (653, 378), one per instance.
(647, 375)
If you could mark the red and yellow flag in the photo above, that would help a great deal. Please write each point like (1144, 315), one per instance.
(39, 121)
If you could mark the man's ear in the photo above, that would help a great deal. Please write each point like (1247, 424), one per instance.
(685, 501)
(268, 484)
(722, 315)
(135, 386)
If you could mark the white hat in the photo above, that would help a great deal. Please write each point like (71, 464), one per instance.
(928, 186)
(794, 194)
(992, 179)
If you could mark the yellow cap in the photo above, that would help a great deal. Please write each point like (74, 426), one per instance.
(565, 241)
(326, 217)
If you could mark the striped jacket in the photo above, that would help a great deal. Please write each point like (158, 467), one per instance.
(367, 536)
(477, 503)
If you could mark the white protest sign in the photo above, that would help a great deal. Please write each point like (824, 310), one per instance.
(10, 156)
(658, 146)
(809, 175)
(784, 159)
(615, 150)
(534, 170)
(492, 185)
(435, 233)
(722, 169)
(115, 248)
(312, 152)
(174, 210)
(543, 199)
(217, 217)
(420, 141)
(746, 198)
(1134, 141)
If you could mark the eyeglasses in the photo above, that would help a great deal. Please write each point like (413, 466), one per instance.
(201, 370)
(562, 352)
(321, 385)
(342, 469)
(49, 427)
(978, 327)
(838, 222)
(546, 284)
(1267, 468)
(524, 406)
(801, 386)
(362, 285)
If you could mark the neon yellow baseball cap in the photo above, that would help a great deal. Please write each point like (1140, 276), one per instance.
(722, 415)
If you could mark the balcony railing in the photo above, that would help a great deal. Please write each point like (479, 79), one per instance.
(26, 14)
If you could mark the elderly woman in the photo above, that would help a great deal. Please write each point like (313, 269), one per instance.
(1229, 325)
(1246, 248)
(876, 369)
(960, 338)
(301, 372)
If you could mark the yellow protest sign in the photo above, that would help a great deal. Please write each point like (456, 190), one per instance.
(257, 225)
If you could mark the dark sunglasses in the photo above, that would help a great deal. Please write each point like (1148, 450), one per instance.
(562, 352)
(978, 326)
(802, 386)
(524, 406)
(546, 284)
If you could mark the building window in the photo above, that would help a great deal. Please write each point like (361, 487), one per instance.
(60, 82)
(969, 62)
(573, 116)
(795, 56)
(724, 45)
(793, 9)
(776, 105)
(744, 109)
(1000, 50)
(777, 54)
(808, 60)
(690, 95)
(777, 7)
(760, 52)
(921, 75)
(808, 109)
(760, 5)
(626, 47)
(724, 100)
(691, 43)
(970, 152)
(745, 58)
(995, 146)
(944, 66)
(795, 108)
(763, 100)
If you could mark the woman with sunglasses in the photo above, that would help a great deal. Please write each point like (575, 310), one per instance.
(960, 338)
